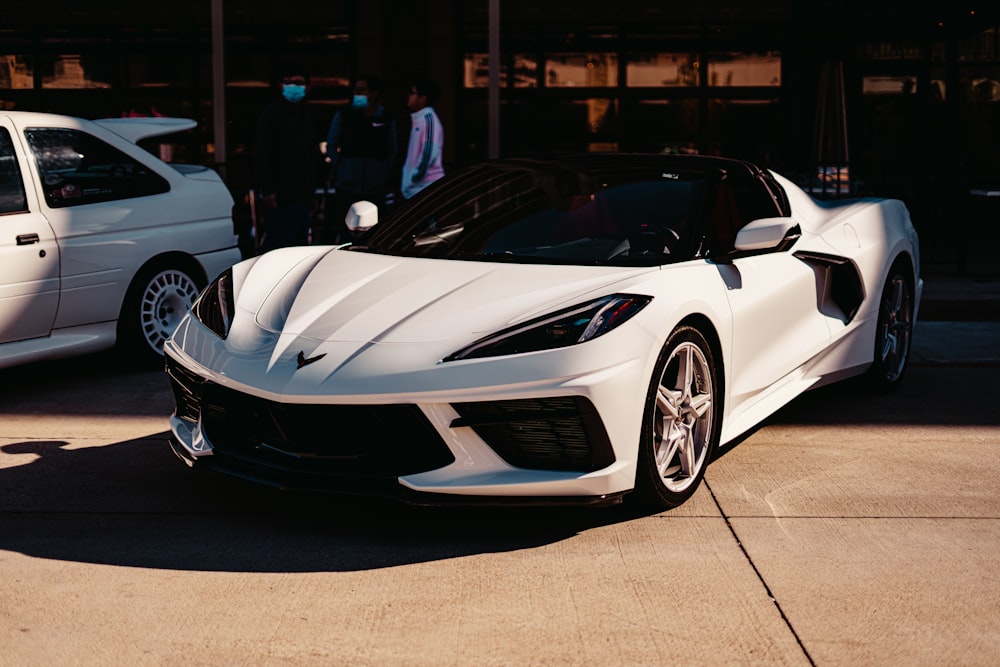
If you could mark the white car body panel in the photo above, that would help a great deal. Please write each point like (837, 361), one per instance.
(68, 301)
(29, 275)
(376, 329)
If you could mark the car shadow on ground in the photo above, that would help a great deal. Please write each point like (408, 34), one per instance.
(134, 504)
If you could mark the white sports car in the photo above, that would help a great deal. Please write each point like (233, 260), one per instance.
(102, 242)
(568, 330)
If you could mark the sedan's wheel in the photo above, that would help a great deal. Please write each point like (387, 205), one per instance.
(156, 304)
(681, 421)
(893, 330)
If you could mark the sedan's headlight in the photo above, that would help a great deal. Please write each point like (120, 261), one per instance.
(560, 329)
(216, 305)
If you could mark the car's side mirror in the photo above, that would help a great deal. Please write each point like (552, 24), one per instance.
(766, 234)
(763, 236)
(362, 216)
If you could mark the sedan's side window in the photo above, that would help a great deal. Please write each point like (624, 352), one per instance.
(12, 198)
(78, 168)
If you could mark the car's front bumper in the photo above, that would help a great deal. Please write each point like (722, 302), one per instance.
(540, 449)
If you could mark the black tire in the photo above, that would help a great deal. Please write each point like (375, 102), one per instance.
(156, 301)
(893, 330)
(681, 422)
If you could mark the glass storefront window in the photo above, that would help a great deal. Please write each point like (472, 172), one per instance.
(16, 72)
(979, 104)
(657, 70)
(903, 50)
(743, 128)
(591, 70)
(983, 46)
(889, 85)
(477, 71)
(737, 68)
(248, 70)
(73, 71)
(159, 70)
(566, 125)
(660, 126)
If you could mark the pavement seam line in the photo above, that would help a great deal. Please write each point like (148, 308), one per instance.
(760, 577)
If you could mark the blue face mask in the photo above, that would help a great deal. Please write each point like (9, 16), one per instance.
(360, 102)
(293, 92)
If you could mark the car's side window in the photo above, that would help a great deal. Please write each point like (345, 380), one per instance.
(12, 198)
(78, 168)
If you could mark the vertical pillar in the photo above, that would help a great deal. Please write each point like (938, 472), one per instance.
(218, 88)
(494, 94)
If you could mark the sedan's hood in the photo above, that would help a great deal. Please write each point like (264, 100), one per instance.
(359, 297)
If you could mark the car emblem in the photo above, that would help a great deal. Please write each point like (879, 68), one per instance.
(304, 361)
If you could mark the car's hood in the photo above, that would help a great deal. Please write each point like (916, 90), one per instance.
(359, 297)
(313, 322)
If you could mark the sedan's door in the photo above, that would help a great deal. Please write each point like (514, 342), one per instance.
(29, 255)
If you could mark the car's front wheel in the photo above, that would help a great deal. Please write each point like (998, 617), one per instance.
(156, 302)
(681, 422)
(893, 330)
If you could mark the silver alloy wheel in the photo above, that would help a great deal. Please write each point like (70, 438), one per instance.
(166, 298)
(895, 327)
(682, 429)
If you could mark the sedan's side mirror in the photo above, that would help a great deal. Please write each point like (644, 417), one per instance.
(362, 216)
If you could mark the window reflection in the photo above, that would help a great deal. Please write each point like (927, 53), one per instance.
(661, 126)
(661, 70)
(16, 72)
(734, 68)
(889, 85)
(743, 128)
(477, 71)
(158, 70)
(72, 71)
(581, 69)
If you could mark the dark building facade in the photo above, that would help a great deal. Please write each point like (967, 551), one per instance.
(851, 98)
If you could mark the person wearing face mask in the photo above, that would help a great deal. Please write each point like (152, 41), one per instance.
(361, 147)
(286, 163)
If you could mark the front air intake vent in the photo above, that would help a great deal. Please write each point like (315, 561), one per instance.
(558, 433)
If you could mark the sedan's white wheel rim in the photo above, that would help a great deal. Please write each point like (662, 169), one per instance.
(165, 300)
(683, 427)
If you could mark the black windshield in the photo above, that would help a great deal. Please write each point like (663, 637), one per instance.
(547, 212)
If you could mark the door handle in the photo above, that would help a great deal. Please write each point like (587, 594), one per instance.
(27, 239)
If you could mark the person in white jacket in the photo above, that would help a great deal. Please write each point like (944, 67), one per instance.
(423, 163)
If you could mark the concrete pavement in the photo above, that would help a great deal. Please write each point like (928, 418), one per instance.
(849, 529)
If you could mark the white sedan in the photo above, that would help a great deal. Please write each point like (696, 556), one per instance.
(569, 330)
(101, 242)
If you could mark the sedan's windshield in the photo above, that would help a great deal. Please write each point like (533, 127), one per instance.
(527, 212)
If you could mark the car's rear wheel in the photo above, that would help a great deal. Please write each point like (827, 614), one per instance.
(156, 302)
(681, 422)
(893, 330)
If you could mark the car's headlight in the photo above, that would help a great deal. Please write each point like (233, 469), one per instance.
(216, 305)
(560, 329)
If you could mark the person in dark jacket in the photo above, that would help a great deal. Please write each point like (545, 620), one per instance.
(286, 164)
(361, 147)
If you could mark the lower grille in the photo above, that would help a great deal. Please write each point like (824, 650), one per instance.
(560, 433)
(307, 446)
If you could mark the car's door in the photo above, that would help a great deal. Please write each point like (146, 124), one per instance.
(29, 254)
(777, 325)
(102, 204)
